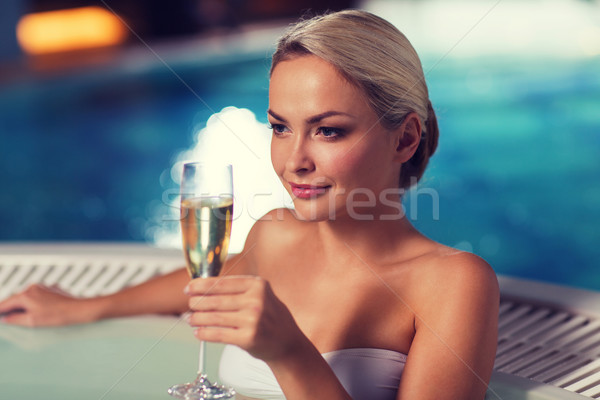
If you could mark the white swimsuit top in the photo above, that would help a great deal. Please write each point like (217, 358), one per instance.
(365, 373)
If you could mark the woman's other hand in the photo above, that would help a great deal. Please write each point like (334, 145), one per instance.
(40, 305)
(244, 311)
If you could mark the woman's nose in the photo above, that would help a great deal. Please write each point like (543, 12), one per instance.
(299, 160)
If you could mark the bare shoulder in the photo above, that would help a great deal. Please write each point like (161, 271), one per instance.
(451, 277)
(455, 308)
(273, 234)
(279, 223)
(465, 269)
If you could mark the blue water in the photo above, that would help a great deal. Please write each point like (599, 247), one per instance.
(518, 166)
(83, 156)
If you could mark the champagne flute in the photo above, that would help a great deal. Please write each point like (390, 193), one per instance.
(206, 209)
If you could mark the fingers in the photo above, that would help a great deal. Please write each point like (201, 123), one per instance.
(11, 311)
(226, 311)
(18, 318)
(22, 300)
(215, 302)
(215, 319)
(229, 294)
(221, 285)
(13, 305)
(8, 305)
(35, 306)
(218, 335)
(224, 329)
(232, 309)
(14, 311)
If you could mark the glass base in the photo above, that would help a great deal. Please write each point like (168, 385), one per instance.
(201, 389)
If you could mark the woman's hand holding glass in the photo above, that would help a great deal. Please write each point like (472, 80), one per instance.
(243, 311)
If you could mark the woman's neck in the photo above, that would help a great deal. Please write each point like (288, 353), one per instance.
(377, 240)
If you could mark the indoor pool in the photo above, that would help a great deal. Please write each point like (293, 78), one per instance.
(85, 156)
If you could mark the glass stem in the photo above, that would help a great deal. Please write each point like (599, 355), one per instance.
(201, 357)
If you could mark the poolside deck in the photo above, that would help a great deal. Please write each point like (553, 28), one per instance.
(549, 335)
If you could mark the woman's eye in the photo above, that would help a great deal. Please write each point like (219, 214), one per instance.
(278, 129)
(330, 133)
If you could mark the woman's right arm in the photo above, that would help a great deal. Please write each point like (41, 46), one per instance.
(43, 306)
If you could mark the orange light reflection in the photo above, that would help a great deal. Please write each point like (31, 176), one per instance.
(67, 30)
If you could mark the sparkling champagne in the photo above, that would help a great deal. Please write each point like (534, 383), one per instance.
(206, 228)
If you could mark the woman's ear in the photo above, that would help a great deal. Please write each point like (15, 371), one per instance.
(407, 138)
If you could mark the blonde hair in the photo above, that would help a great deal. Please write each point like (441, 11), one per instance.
(376, 57)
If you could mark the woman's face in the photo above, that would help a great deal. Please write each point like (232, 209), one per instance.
(328, 147)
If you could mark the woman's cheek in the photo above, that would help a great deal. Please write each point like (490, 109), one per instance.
(277, 159)
(341, 164)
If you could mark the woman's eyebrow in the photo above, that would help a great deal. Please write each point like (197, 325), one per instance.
(314, 119)
(319, 117)
(275, 115)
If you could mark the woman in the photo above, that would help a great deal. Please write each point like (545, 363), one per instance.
(340, 298)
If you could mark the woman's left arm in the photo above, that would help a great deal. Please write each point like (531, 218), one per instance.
(244, 311)
(456, 328)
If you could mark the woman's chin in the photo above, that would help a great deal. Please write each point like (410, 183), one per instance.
(311, 214)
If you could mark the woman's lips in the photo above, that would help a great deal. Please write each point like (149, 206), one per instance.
(307, 191)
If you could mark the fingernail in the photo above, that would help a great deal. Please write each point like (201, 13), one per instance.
(187, 317)
(186, 289)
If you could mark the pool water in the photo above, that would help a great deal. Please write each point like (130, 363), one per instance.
(85, 157)
(518, 166)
